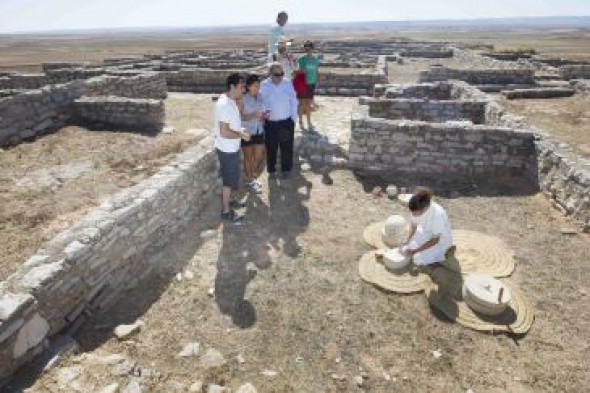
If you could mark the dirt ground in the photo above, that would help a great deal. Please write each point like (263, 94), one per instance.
(566, 118)
(281, 299)
(46, 184)
(288, 299)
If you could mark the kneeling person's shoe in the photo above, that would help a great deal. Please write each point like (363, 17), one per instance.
(237, 205)
(231, 216)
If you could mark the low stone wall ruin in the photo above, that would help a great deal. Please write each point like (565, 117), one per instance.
(348, 84)
(119, 113)
(23, 81)
(199, 80)
(519, 76)
(581, 71)
(35, 112)
(426, 110)
(564, 178)
(546, 92)
(437, 148)
(115, 246)
(144, 85)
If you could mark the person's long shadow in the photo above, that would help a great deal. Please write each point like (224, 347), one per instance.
(266, 232)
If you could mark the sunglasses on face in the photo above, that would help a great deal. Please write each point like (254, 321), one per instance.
(278, 74)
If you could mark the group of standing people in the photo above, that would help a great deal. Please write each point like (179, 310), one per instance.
(259, 117)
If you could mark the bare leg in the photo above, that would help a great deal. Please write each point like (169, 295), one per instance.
(248, 168)
(258, 160)
(225, 198)
(301, 111)
(308, 113)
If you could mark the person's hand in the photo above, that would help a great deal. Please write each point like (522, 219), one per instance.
(246, 136)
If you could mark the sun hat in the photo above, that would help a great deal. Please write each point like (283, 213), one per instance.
(485, 294)
(477, 252)
(388, 234)
(517, 318)
(405, 280)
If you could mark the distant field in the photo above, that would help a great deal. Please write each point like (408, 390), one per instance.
(26, 52)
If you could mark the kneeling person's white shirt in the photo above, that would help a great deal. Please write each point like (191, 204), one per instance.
(434, 222)
(226, 111)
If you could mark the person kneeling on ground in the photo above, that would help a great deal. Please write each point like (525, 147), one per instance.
(228, 131)
(253, 116)
(430, 235)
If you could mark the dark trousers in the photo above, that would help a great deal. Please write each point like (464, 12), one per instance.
(279, 135)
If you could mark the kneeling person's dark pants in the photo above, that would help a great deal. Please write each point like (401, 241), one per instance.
(229, 169)
(279, 135)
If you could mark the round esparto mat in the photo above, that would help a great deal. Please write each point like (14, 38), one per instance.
(517, 319)
(480, 253)
(408, 280)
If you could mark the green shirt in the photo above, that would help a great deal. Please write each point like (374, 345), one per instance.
(310, 65)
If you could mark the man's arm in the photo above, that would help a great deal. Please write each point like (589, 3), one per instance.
(431, 243)
(226, 132)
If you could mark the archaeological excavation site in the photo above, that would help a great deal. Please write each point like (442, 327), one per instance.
(119, 276)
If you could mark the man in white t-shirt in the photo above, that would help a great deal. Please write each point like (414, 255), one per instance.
(228, 131)
(430, 237)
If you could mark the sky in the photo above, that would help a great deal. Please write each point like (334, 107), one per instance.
(43, 15)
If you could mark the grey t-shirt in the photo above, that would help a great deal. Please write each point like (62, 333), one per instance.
(251, 106)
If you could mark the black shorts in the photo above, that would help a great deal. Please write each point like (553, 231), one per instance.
(229, 169)
(309, 93)
(254, 140)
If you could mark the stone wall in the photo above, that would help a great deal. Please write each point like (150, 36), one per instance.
(564, 178)
(23, 81)
(519, 76)
(35, 112)
(66, 75)
(144, 85)
(348, 84)
(199, 80)
(115, 246)
(119, 113)
(426, 53)
(426, 110)
(437, 148)
(575, 71)
(432, 91)
(55, 65)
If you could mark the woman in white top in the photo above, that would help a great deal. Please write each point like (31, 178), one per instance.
(253, 115)
(430, 235)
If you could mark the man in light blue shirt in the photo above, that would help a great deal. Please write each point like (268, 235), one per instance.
(276, 33)
(280, 101)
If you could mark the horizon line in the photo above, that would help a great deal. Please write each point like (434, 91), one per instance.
(259, 25)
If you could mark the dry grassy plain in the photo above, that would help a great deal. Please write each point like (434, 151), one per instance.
(26, 52)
